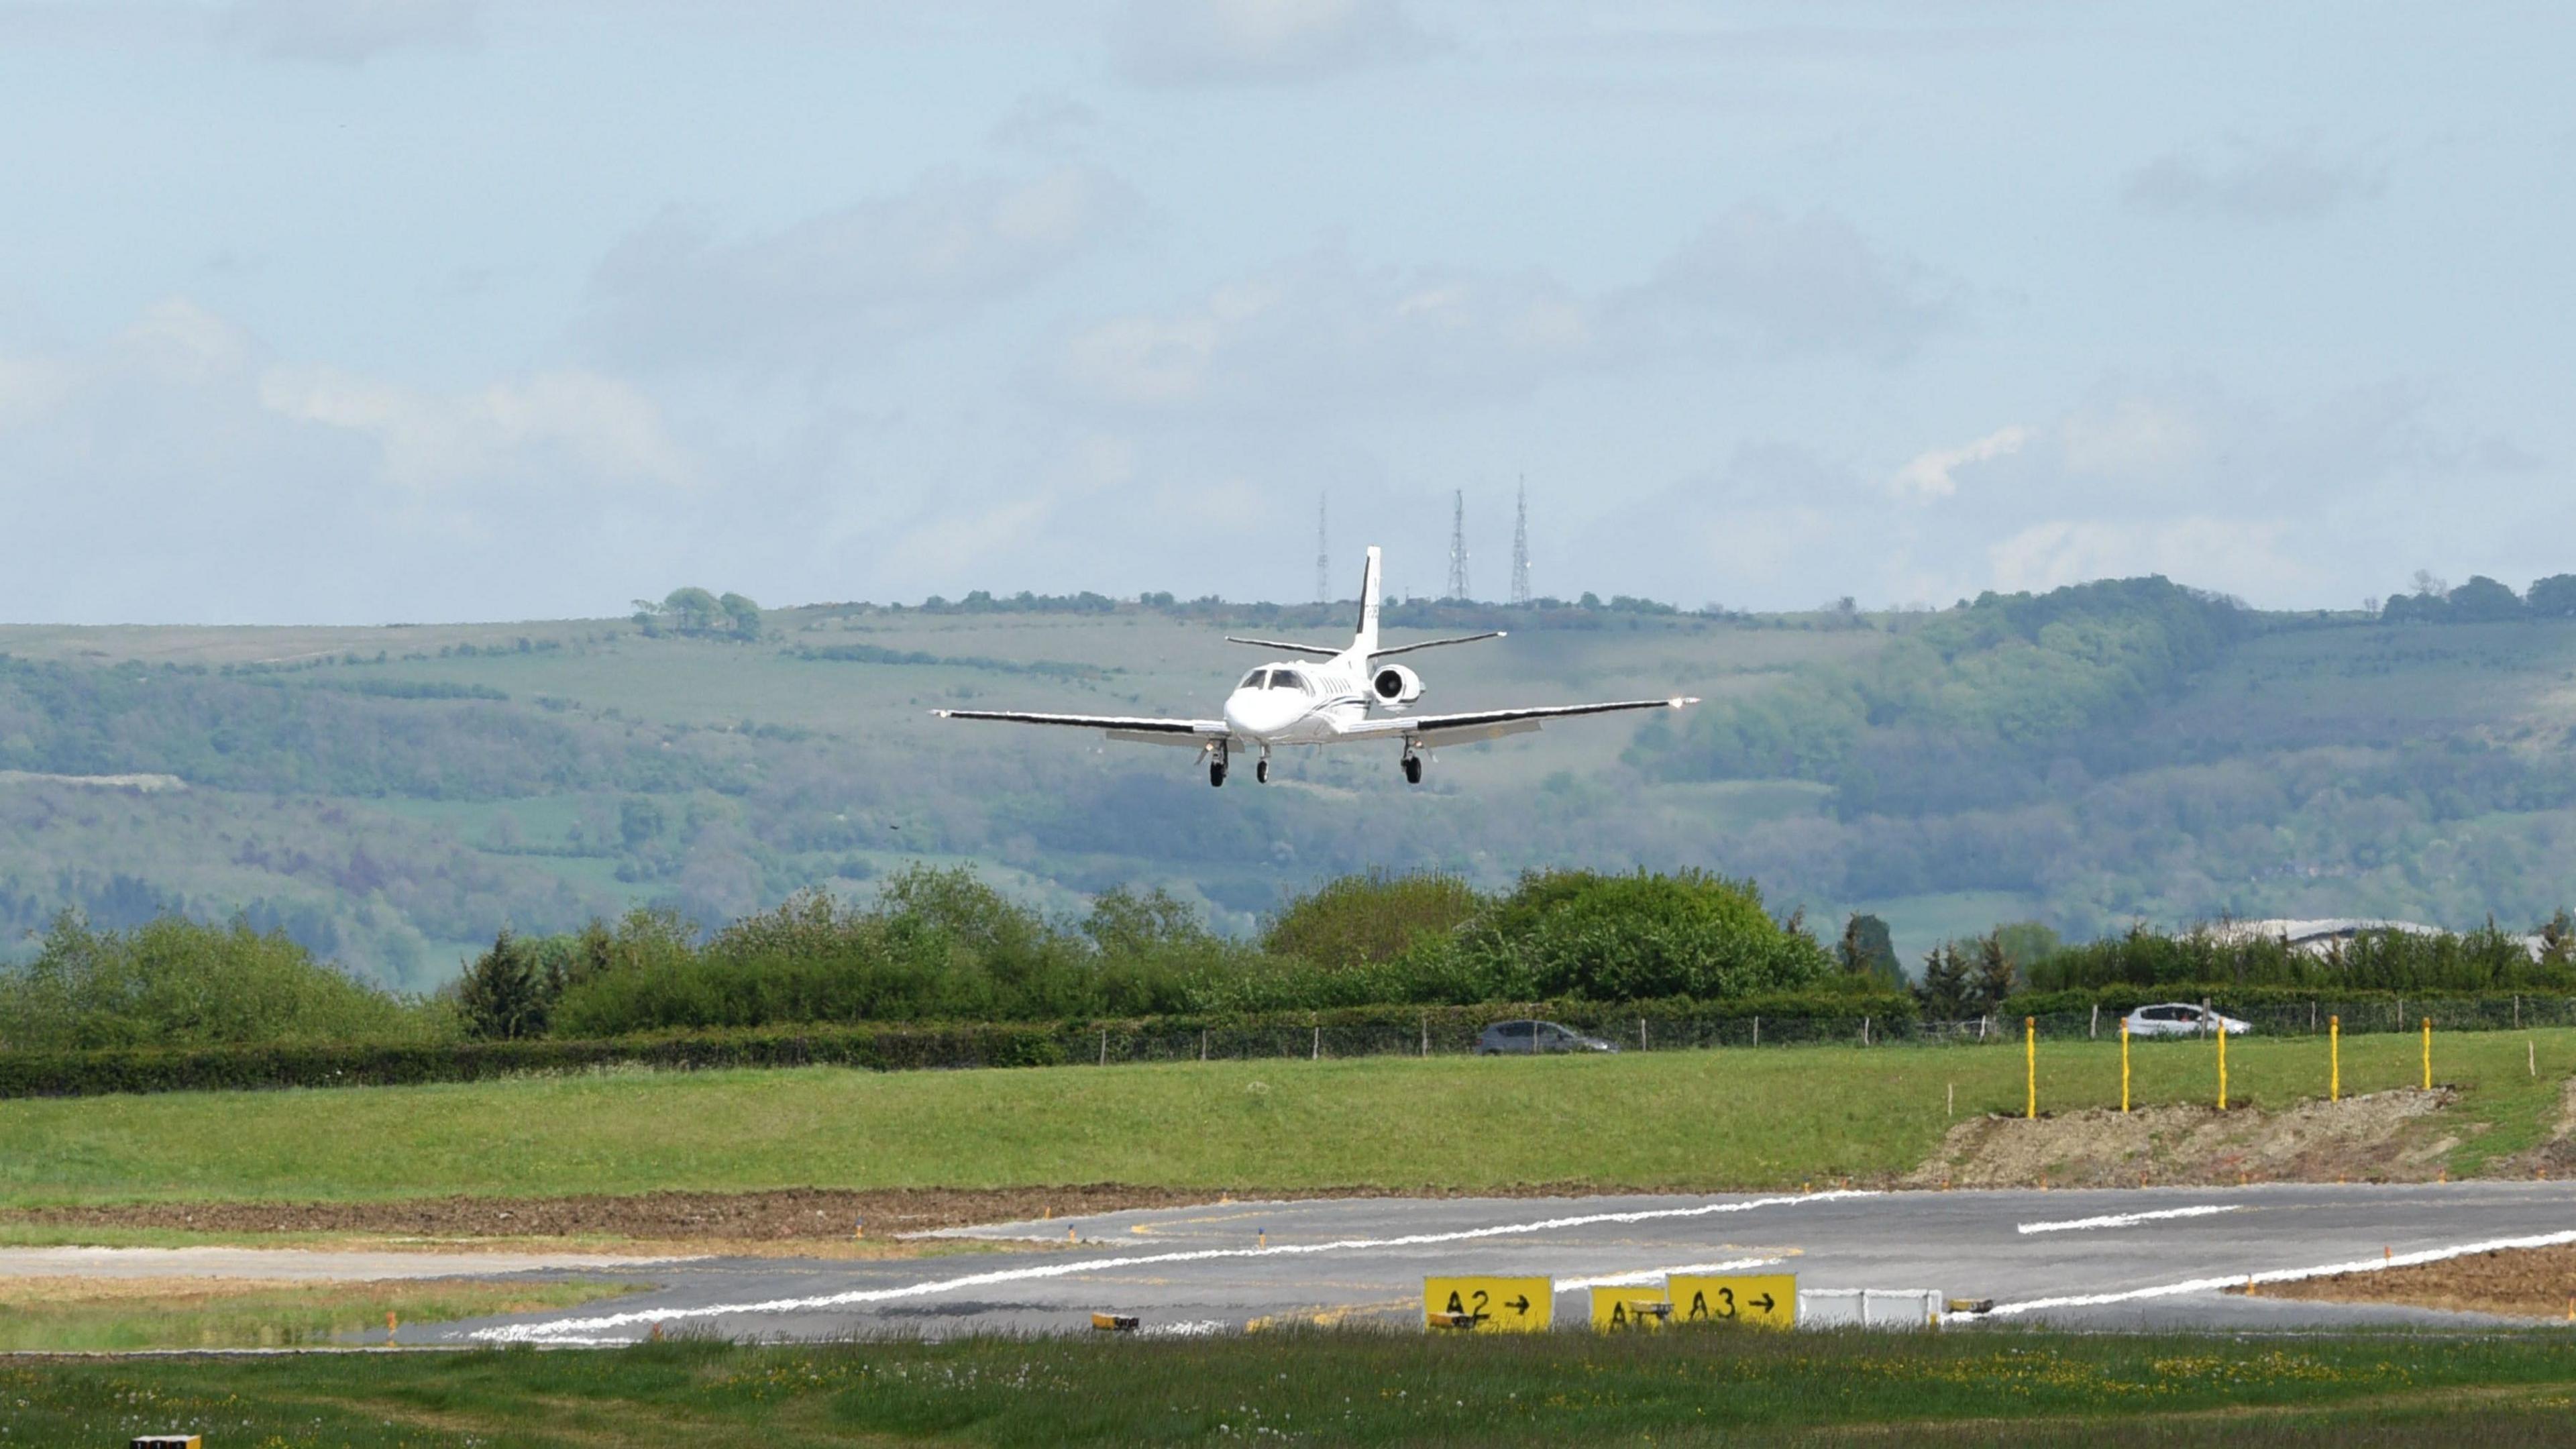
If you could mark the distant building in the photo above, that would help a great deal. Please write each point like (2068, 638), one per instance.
(2317, 937)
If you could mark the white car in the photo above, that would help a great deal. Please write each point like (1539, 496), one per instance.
(2181, 1018)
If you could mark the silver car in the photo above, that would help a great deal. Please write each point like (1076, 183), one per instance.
(1505, 1038)
(2181, 1018)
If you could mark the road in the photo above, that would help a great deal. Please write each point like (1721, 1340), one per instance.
(2126, 1259)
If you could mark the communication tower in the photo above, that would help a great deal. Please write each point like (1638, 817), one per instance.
(1323, 558)
(1520, 548)
(1458, 544)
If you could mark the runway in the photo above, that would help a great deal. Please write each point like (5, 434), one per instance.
(2126, 1259)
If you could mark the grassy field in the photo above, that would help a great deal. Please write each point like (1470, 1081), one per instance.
(123, 1315)
(1684, 1387)
(1703, 1119)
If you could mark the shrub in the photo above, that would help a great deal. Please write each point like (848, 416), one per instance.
(1375, 917)
(177, 982)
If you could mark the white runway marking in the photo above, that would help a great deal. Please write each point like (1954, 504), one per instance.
(2122, 1220)
(566, 1329)
(2281, 1275)
(1644, 1276)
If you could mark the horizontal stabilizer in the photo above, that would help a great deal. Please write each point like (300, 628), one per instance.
(1285, 648)
(1435, 643)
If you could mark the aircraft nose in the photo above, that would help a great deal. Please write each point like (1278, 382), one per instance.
(1254, 714)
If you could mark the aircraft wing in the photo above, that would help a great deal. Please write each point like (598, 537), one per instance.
(1433, 730)
(1191, 733)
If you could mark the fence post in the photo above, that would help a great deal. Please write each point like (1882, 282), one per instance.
(1864, 1029)
(2517, 1011)
(1319, 1043)
(2093, 1028)
(1104, 1046)
(1426, 1036)
(1641, 1033)
(1757, 1031)
(1203, 1043)
(2334, 1058)
(2124, 1064)
(2222, 1060)
(2030, 1068)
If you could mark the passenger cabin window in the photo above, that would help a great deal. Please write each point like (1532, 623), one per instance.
(1254, 679)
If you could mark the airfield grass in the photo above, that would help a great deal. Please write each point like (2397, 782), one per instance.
(1703, 1386)
(1731, 1118)
(85, 1314)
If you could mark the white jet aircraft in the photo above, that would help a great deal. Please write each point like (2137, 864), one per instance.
(1325, 704)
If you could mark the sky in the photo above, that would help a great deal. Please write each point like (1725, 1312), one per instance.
(350, 311)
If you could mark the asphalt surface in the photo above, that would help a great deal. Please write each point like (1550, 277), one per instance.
(2158, 1258)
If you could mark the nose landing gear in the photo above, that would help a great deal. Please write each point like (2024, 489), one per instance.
(1261, 769)
(1412, 768)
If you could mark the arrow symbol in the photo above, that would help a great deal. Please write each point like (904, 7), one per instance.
(1518, 1305)
(1763, 1302)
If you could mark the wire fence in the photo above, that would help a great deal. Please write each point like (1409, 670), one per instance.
(1443, 1033)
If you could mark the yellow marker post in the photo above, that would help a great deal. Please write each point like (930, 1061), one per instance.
(1629, 1310)
(2222, 1066)
(2428, 1054)
(2124, 1064)
(1489, 1305)
(1768, 1299)
(2030, 1068)
(2334, 1058)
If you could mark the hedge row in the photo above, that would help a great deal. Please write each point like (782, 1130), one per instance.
(1374, 1030)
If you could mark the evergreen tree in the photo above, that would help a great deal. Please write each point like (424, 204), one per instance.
(1944, 988)
(504, 994)
(1994, 977)
(1866, 950)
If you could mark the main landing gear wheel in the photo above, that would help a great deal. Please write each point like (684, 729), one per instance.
(1261, 770)
(1216, 770)
(1413, 769)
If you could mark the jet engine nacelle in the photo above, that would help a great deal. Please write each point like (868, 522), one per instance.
(1395, 684)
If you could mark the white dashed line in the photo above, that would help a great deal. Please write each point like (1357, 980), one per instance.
(2122, 1220)
(2281, 1275)
(568, 1329)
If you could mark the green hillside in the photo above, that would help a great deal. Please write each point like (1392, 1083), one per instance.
(393, 795)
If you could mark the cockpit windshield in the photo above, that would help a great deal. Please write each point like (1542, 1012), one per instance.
(1254, 680)
(1288, 679)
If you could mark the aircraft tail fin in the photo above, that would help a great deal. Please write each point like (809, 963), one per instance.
(1364, 640)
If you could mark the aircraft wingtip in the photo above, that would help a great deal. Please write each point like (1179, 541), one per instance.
(1680, 700)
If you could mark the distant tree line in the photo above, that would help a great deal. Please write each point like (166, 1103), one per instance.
(2481, 600)
(940, 946)
(698, 614)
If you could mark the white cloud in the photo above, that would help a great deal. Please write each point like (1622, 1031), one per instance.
(611, 431)
(1933, 473)
(2232, 555)
(2250, 181)
(1260, 42)
(1326, 328)
(833, 289)
(349, 32)
(182, 474)
(1795, 284)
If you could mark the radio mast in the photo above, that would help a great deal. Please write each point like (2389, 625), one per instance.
(1323, 559)
(1458, 544)
(1520, 548)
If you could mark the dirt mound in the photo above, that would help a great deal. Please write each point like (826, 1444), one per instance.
(2379, 1137)
(2518, 1282)
(790, 1214)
